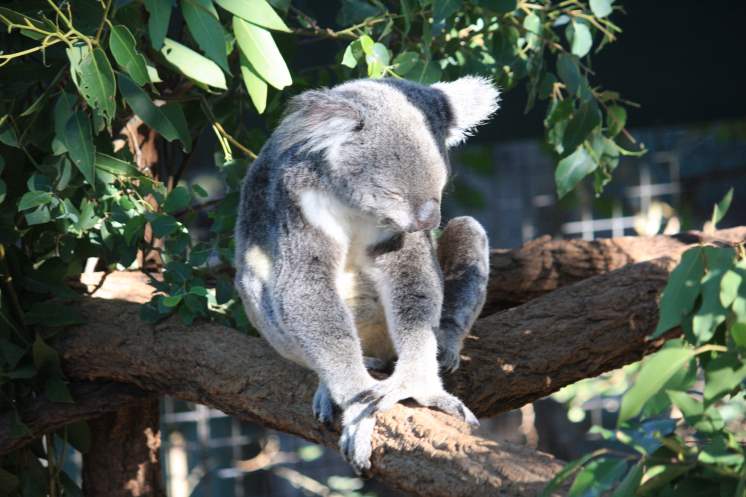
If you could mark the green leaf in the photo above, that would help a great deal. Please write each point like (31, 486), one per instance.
(729, 287)
(56, 390)
(259, 48)
(9, 483)
(721, 208)
(597, 476)
(738, 332)
(616, 120)
(163, 225)
(569, 72)
(123, 47)
(179, 199)
(45, 357)
(405, 62)
(39, 216)
(500, 6)
(34, 199)
(711, 312)
(175, 114)
(79, 436)
(160, 16)
(691, 408)
(117, 167)
(95, 81)
(722, 375)
(572, 169)
(655, 372)
(425, 72)
(443, 10)
(3, 191)
(192, 64)
(630, 483)
(257, 12)
(658, 475)
(79, 144)
(601, 8)
(172, 300)
(681, 291)
(255, 85)
(377, 60)
(585, 120)
(63, 109)
(566, 472)
(206, 30)
(352, 53)
(145, 109)
(580, 38)
(134, 228)
(532, 25)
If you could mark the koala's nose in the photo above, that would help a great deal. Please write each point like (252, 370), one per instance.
(427, 216)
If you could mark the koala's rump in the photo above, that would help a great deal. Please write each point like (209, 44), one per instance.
(361, 295)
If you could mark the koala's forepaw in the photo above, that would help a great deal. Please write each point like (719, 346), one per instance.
(449, 404)
(449, 359)
(323, 405)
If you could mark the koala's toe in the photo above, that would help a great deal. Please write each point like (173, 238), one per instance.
(323, 406)
(449, 360)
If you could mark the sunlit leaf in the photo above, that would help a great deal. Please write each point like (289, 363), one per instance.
(257, 12)
(655, 372)
(259, 48)
(192, 64)
(572, 169)
(681, 290)
(255, 85)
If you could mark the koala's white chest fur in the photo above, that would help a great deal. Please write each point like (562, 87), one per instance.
(358, 281)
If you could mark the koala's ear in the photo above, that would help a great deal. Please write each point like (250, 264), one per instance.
(320, 120)
(472, 101)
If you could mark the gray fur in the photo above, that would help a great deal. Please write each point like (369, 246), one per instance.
(334, 254)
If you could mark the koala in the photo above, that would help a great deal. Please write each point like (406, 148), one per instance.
(337, 262)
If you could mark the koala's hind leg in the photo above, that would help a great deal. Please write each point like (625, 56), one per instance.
(412, 292)
(463, 254)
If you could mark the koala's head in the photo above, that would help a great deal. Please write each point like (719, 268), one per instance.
(385, 142)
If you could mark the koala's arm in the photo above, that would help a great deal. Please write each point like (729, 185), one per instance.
(463, 254)
(314, 316)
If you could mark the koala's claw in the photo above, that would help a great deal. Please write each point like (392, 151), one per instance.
(323, 405)
(449, 359)
(450, 405)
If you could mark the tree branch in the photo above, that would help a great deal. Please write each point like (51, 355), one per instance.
(515, 356)
(543, 265)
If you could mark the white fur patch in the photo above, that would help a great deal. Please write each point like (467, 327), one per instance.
(259, 263)
(327, 214)
(473, 100)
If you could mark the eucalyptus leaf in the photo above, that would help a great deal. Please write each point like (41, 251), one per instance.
(260, 50)
(255, 85)
(124, 49)
(572, 169)
(257, 12)
(159, 17)
(78, 139)
(192, 64)
(206, 29)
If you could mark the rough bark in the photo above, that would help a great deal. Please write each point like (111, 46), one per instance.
(543, 265)
(123, 460)
(514, 357)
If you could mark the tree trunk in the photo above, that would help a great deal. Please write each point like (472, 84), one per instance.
(123, 460)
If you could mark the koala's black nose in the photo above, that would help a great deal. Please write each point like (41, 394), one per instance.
(427, 216)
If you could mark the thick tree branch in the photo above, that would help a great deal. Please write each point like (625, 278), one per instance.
(543, 265)
(515, 356)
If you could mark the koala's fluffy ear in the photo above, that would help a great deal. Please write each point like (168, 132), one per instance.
(320, 120)
(473, 100)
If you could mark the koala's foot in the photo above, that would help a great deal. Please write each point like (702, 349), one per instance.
(449, 357)
(323, 405)
(358, 422)
(428, 396)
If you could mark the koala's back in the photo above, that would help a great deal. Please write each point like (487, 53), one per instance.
(269, 212)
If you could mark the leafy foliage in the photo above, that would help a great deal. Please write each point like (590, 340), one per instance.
(681, 425)
(105, 104)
